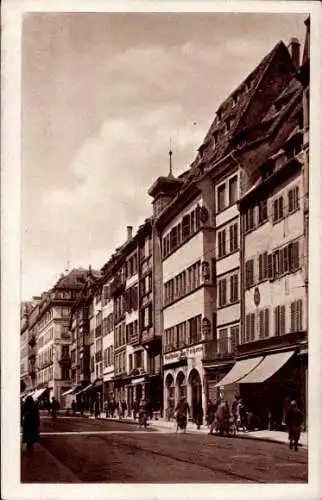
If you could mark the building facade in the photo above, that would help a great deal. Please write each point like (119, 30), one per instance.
(212, 289)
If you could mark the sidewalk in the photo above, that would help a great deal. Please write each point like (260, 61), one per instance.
(165, 425)
(40, 466)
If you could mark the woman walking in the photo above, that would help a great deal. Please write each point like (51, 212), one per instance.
(30, 423)
(294, 419)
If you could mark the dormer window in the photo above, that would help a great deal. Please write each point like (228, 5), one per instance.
(228, 124)
(268, 169)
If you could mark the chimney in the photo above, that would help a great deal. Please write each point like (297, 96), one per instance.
(294, 50)
(129, 230)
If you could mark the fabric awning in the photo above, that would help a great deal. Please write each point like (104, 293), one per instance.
(239, 370)
(270, 365)
(136, 381)
(71, 390)
(84, 390)
(36, 395)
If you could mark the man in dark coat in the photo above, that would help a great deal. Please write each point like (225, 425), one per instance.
(30, 423)
(182, 411)
(293, 420)
(198, 414)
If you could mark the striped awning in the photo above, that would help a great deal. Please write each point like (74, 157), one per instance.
(84, 390)
(266, 369)
(39, 392)
(239, 370)
(72, 390)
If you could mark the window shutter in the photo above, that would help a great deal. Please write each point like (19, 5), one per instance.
(290, 201)
(252, 272)
(299, 315)
(282, 320)
(296, 255)
(231, 238)
(275, 210)
(266, 319)
(285, 259)
(296, 197)
(277, 320)
(280, 261)
(292, 307)
(260, 267)
(224, 292)
(281, 207)
(231, 288)
(275, 264)
(270, 266)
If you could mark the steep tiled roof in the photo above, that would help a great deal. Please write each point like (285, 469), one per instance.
(232, 110)
(74, 279)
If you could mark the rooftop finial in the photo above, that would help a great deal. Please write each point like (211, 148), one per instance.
(170, 161)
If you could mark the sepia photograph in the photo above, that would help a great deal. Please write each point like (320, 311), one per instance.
(162, 321)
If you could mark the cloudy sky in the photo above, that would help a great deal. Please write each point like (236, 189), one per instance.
(101, 96)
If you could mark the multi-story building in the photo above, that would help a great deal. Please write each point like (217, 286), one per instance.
(272, 352)
(49, 338)
(198, 221)
(26, 351)
(185, 225)
(79, 328)
(274, 263)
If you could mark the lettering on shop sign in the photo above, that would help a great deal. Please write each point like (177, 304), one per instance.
(172, 357)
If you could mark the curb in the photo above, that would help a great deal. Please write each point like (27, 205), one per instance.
(241, 436)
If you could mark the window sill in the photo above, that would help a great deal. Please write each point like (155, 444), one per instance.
(182, 244)
(221, 210)
(182, 297)
(226, 255)
(228, 305)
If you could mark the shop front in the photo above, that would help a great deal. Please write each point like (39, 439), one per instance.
(268, 390)
(184, 378)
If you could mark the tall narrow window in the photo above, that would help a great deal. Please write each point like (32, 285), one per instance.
(186, 227)
(221, 243)
(233, 190)
(222, 292)
(234, 288)
(233, 237)
(221, 195)
(249, 271)
(262, 212)
(293, 199)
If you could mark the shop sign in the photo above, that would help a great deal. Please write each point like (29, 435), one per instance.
(173, 357)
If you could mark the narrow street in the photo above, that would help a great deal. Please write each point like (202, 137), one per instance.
(76, 449)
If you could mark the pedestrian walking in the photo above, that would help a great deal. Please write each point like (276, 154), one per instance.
(182, 411)
(123, 408)
(222, 417)
(212, 410)
(294, 419)
(96, 408)
(74, 406)
(241, 416)
(199, 415)
(48, 406)
(30, 422)
(234, 410)
(106, 409)
(143, 413)
(55, 406)
(135, 409)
